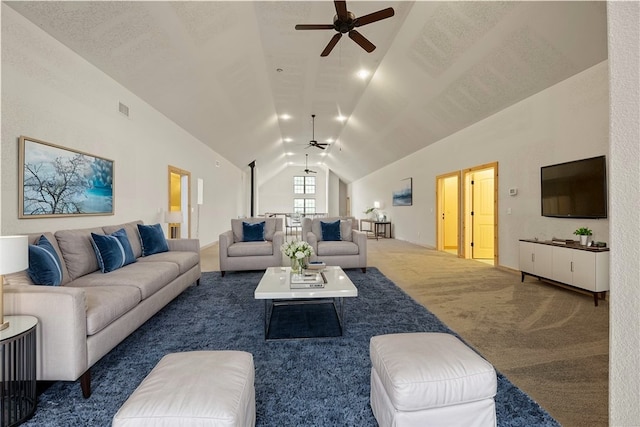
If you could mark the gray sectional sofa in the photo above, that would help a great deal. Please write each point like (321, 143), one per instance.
(91, 312)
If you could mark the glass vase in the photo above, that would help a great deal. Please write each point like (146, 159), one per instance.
(297, 265)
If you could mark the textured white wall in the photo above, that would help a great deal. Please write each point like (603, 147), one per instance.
(568, 121)
(50, 93)
(624, 354)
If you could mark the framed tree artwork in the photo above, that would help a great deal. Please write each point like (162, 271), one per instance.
(57, 181)
(403, 196)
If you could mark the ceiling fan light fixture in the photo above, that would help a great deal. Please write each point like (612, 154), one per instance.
(345, 22)
(285, 116)
(341, 118)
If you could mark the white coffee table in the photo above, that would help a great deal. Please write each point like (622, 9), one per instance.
(274, 289)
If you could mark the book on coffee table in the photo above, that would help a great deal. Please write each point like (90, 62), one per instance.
(306, 280)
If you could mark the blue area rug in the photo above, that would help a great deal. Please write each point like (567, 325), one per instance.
(309, 382)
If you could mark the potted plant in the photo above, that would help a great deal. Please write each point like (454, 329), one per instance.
(584, 234)
(372, 212)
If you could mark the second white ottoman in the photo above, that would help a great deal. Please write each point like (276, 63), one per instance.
(430, 379)
(195, 388)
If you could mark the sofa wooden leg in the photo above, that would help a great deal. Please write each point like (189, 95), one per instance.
(222, 273)
(198, 282)
(364, 269)
(85, 384)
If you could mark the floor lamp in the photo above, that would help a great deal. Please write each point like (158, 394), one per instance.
(14, 257)
(172, 218)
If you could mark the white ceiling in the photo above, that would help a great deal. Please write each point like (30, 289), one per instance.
(439, 67)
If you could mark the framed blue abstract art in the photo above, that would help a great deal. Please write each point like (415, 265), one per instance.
(403, 196)
(56, 181)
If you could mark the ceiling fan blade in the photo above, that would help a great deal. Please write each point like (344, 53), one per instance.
(375, 16)
(313, 172)
(314, 27)
(362, 41)
(332, 43)
(341, 10)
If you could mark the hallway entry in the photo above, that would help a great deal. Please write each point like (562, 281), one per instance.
(179, 200)
(448, 213)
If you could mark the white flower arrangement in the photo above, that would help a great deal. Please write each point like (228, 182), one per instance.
(297, 249)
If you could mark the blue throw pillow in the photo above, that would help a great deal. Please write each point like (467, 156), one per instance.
(330, 230)
(152, 239)
(44, 264)
(112, 251)
(253, 232)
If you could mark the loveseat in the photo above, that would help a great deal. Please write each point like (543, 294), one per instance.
(238, 254)
(91, 312)
(347, 249)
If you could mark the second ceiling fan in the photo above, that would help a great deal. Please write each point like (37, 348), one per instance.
(313, 142)
(306, 165)
(346, 22)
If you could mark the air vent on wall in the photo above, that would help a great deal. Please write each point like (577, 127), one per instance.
(123, 109)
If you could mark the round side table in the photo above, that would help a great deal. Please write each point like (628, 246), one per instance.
(18, 370)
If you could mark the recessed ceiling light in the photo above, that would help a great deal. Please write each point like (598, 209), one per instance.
(363, 74)
(341, 118)
(287, 140)
(285, 116)
(289, 153)
(329, 140)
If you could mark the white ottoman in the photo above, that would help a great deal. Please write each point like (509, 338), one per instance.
(196, 388)
(430, 379)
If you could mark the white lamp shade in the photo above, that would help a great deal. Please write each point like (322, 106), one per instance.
(14, 254)
(173, 217)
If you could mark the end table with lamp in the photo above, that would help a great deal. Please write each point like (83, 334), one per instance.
(174, 219)
(17, 343)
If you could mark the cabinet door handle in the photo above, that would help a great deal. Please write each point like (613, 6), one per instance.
(533, 257)
(572, 266)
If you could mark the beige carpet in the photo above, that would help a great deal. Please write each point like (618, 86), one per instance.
(551, 342)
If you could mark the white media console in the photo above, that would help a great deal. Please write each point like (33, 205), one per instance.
(572, 264)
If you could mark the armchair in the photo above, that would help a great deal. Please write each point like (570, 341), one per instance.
(348, 252)
(238, 254)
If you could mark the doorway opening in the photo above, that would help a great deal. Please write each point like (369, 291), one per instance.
(448, 213)
(180, 201)
(480, 218)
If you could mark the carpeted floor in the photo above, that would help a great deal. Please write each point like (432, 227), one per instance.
(309, 382)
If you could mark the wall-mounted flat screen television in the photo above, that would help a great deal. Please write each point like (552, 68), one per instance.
(575, 189)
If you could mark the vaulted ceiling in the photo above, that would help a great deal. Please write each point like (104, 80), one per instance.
(227, 72)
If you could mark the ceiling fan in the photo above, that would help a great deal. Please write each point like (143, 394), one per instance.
(306, 165)
(313, 142)
(346, 22)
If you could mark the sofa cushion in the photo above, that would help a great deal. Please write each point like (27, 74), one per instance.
(269, 227)
(147, 277)
(337, 248)
(132, 232)
(112, 251)
(250, 249)
(77, 251)
(253, 232)
(44, 264)
(185, 260)
(346, 230)
(152, 239)
(330, 230)
(105, 304)
(346, 227)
